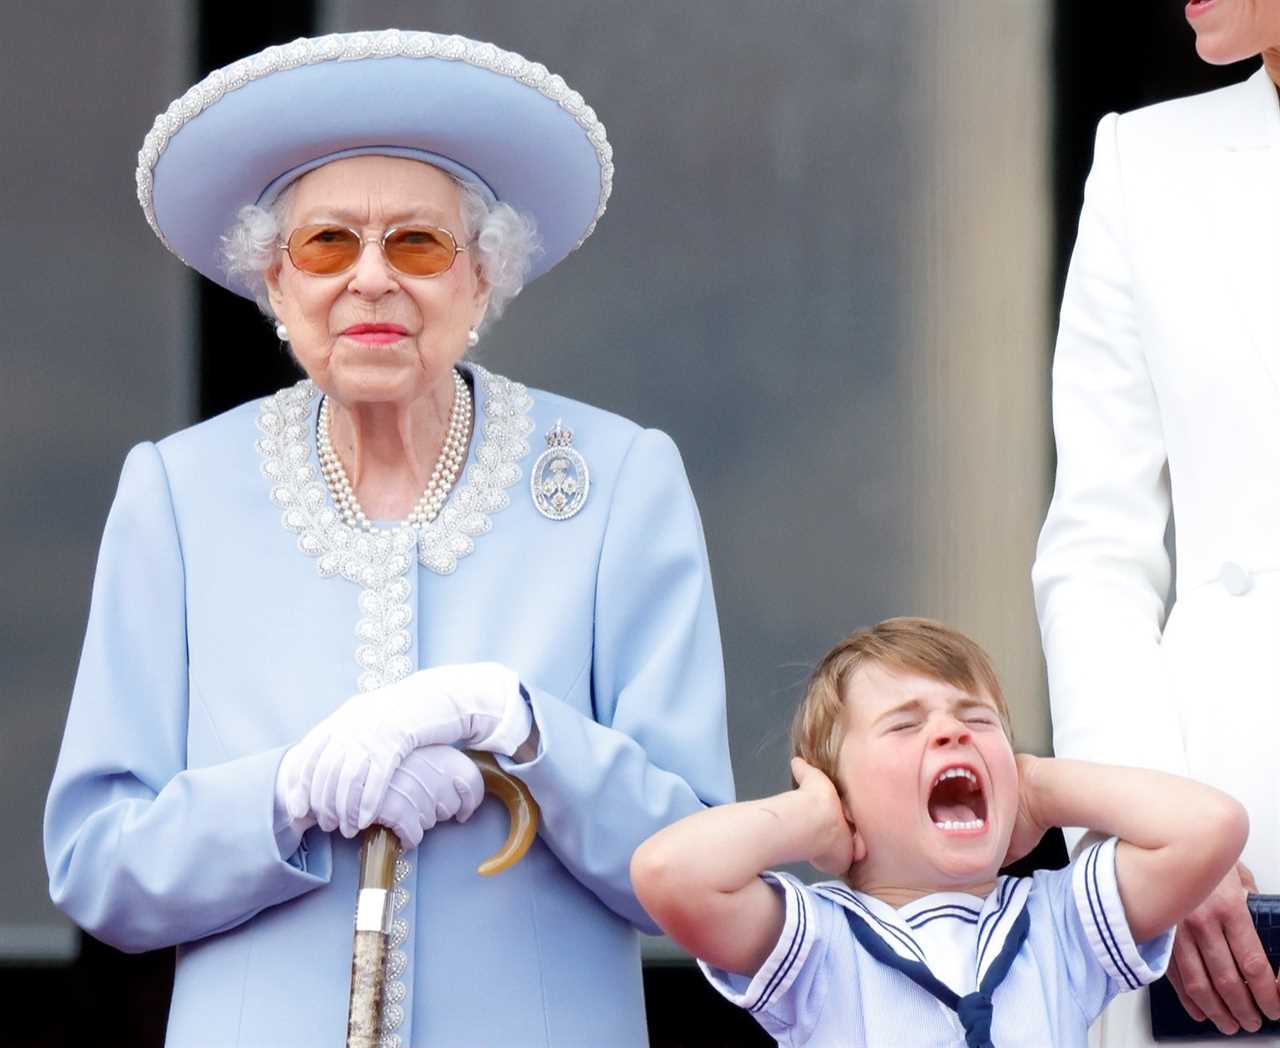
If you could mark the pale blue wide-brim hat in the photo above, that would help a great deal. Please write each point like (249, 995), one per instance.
(488, 116)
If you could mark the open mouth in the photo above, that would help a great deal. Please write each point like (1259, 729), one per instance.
(956, 802)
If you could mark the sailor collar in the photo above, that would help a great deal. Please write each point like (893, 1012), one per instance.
(994, 918)
(887, 935)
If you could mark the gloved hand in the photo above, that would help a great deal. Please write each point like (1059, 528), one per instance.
(341, 768)
(288, 830)
(433, 784)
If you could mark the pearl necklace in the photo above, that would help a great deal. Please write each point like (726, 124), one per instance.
(443, 475)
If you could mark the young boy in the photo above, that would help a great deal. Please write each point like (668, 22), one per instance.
(909, 789)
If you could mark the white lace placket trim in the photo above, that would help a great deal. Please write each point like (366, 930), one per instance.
(379, 562)
(397, 963)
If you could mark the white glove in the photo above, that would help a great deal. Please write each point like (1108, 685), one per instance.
(288, 830)
(433, 784)
(342, 767)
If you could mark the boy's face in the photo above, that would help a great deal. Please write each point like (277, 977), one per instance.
(929, 782)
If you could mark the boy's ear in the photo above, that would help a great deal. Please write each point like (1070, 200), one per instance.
(848, 810)
(859, 843)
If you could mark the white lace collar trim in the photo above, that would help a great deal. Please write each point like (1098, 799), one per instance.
(286, 421)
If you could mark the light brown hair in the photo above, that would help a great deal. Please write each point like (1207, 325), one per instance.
(904, 644)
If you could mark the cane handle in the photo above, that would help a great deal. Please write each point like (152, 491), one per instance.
(521, 807)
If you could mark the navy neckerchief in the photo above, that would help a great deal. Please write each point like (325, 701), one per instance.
(886, 944)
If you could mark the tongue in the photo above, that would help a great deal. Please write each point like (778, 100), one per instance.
(958, 812)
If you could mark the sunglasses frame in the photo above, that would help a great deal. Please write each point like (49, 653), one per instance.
(381, 241)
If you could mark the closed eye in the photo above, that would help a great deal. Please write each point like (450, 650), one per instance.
(903, 726)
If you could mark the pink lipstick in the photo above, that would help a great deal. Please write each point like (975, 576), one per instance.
(375, 334)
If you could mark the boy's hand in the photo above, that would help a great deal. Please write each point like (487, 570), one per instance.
(833, 839)
(1029, 827)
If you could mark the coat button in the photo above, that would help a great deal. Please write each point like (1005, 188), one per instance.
(1235, 579)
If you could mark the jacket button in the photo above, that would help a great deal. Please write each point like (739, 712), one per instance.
(1235, 580)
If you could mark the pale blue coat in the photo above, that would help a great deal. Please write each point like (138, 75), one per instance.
(220, 632)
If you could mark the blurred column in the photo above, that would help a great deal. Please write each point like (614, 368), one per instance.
(977, 362)
(98, 355)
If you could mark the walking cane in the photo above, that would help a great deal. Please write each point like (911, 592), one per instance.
(378, 853)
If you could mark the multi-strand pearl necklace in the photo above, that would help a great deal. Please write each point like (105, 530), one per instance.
(443, 475)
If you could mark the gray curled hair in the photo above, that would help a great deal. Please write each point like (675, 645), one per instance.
(504, 240)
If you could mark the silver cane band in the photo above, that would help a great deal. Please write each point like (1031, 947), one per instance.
(373, 910)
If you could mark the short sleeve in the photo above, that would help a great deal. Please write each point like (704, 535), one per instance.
(1100, 955)
(786, 995)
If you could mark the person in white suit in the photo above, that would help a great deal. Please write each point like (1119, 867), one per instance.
(1166, 404)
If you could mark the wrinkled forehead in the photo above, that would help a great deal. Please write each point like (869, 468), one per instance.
(365, 190)
(876, 688)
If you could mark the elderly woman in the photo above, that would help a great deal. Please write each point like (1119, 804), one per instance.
(1166, 394)
(306, 608)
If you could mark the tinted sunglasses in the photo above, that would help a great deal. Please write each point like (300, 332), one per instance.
(414, 251)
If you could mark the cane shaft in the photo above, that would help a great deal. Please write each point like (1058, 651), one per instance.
(378, 853)
(364, 1019)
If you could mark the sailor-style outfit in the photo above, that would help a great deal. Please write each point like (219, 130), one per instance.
(1031, 965)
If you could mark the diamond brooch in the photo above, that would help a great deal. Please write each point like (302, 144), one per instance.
(560, 480)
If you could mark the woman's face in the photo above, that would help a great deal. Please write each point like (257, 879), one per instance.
(1233, 30)
(425, 319)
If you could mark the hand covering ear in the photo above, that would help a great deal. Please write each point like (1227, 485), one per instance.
(343, 766)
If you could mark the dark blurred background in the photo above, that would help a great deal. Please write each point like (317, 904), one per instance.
(839, 230)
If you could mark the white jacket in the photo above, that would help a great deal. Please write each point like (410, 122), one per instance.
(1166, 403)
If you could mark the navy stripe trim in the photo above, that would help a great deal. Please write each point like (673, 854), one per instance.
(790, 892)
(916, 971)
(1008, 953)
(1013, 912)
(945, 906)
(897, 933)
(1095, 905)
(1100, 921)
(949, 909)
(988, 927)
(944, 916)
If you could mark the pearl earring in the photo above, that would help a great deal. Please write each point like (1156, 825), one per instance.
(473, 338)
(282, 333)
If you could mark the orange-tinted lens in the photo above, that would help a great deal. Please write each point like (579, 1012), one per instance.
(324, 250)
(420, 251)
